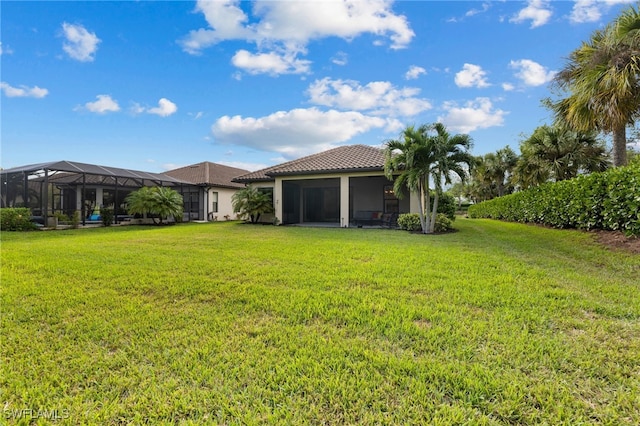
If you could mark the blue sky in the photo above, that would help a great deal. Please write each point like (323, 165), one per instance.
(158, 85)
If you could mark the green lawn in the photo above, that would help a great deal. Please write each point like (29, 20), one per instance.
(227, 323)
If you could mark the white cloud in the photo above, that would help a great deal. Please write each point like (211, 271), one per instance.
(341, 58)
(473, 12)
(287, 27)
(23, 91)
(471, 76)
(378, 97)
(414, 72)
(252, 167)
(299, 131)
(81, 44)
(537, 11)
(103, 105)
(474, 115)
(531, 73)
(5, 50)
(592, 10)
(164, 109)
(508, 87)
(269, 63)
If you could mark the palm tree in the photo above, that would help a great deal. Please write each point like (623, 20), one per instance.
(252, 203)
(418, 156)
(408, 161)
(603, 80)
(160, 201)
(558, 153)
(451, 157)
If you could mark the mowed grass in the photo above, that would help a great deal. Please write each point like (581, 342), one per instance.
(226, 323)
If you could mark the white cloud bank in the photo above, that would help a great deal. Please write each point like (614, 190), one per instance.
(378, 97)
(297, 132)
(23, 91)
(354, 109)
(476, 114)
(281, 30)
(80, 44)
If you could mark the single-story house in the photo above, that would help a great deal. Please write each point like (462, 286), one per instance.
(213, 201)
(344, 186)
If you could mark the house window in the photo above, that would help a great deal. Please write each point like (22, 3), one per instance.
(214, 202)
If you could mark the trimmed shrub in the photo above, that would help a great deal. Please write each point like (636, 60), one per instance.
(409, 222)
(106, 215)
(608, 200)
(447, 205)
(16, 219)
(443, 223)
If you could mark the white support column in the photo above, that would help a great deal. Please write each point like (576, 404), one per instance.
(344, 201)
(277, 199)
(99, 197)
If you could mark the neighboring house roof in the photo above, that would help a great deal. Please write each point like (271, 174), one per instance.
(209, 174)
(350, 158)
(91, 169)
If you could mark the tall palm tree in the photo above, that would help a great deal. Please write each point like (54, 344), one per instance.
(603, 80)
(408, 161)
(451, 157)
(423, 153)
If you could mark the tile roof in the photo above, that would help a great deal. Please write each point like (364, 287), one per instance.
(350, 158)
(209, 174)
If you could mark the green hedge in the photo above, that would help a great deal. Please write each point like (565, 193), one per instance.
(16, 219)
(608, 200)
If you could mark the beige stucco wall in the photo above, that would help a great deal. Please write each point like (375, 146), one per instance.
(224, 203)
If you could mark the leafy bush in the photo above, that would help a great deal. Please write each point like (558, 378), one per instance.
(608, 200)
(443, 223)
(447, 205)
(106, 214)
(16, 219)
(409, 222)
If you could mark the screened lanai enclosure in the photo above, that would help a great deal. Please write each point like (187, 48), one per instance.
(318, 201)
(66, 187)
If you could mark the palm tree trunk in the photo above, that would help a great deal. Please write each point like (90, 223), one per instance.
(427, 229)
(620, 146)
(434, 214)
(423, 223)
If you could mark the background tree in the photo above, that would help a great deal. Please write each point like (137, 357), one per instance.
(602, 78)
(159, 201)
(252, 203)
(558, 153)
(492, 174)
